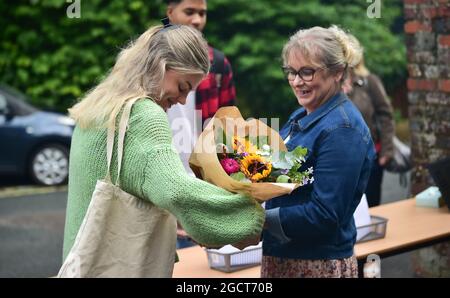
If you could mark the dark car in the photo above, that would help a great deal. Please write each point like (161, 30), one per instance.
(33, 142)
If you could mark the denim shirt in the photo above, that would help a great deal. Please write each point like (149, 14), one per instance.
(316, 221)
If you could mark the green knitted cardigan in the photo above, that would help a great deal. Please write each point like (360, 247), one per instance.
(153, 171)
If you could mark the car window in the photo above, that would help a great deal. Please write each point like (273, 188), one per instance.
(3, 104)
(17, 104)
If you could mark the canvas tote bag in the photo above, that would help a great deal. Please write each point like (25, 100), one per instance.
(121, 235)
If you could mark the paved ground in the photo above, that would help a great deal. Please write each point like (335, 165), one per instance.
(31, 233)
(32, 226)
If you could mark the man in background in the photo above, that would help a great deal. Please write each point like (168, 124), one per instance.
(215, 91)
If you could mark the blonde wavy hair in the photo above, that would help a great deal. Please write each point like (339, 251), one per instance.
(139, 71)
(329, 47)
(360, 68)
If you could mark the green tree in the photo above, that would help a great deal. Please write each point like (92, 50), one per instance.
(56, 59)
(252, 34)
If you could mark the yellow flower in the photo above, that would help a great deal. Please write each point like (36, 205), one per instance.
(255, 167)
(241, 145)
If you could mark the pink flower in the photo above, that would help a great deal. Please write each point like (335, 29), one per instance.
(230, 165)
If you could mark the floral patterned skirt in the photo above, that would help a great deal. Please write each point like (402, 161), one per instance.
(281, 267)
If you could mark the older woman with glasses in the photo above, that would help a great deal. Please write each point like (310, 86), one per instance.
(311, 232)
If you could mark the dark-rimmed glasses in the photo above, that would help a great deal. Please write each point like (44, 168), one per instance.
(305, 73)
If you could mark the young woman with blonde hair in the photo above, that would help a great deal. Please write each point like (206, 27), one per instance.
(159, 69)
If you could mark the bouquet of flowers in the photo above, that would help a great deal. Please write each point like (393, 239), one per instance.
(246, 162)
(247, 157)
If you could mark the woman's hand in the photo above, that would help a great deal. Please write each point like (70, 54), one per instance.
(383, 160)
(181, 232)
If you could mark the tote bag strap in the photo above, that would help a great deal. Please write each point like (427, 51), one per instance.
(123, 124)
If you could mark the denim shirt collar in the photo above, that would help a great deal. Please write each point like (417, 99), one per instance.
(305, 120)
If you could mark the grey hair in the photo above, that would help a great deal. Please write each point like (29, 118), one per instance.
(325, 47)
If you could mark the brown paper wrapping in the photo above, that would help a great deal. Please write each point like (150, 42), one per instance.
(205, 163)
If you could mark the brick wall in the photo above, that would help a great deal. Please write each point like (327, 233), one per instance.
(427, 28)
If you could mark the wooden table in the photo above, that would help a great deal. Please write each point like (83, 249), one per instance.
(194, 263)
(409, 227)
